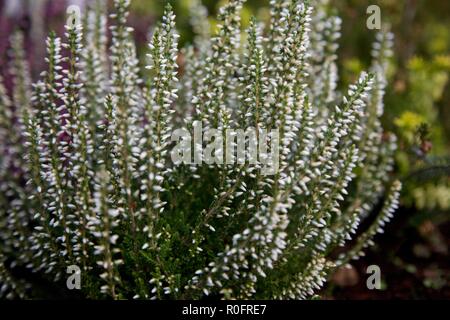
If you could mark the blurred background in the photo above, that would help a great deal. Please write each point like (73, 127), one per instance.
(413, 252)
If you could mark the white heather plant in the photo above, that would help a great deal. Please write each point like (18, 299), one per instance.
(86, 176)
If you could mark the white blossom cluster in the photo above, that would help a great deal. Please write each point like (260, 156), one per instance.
(86, 177)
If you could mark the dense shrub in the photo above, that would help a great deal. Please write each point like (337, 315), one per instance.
(86, 176)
